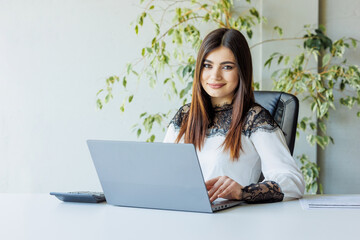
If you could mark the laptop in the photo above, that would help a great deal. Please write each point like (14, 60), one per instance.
(153, 175)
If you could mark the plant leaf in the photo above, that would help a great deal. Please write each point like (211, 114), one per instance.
(99, 104)
(99, 92)
(279, 30)
(136, 29)
(124, 82)
(326, 59)
(131, 98)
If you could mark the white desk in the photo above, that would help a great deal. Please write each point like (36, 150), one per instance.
(41, 216)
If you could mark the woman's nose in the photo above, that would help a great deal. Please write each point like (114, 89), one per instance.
(216, 74)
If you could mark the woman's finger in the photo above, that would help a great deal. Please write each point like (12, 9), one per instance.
(232, 192)
(216, 185)
(224, 185)
(211, 182)
(228, 191)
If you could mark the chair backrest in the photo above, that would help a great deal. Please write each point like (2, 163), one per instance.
(284, 108)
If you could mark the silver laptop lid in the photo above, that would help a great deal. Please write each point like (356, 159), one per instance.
(150, 175)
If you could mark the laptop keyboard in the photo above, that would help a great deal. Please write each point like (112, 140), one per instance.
(223, 204)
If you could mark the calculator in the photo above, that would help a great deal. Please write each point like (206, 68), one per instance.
(81, 196)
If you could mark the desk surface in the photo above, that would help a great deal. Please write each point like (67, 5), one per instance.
(41, 216)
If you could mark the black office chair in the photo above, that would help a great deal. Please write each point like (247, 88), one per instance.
(284, 108)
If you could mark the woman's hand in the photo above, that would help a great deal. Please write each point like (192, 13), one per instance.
(223, 187)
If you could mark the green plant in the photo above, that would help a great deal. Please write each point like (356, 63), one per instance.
(317, 86)
(311, 174)
(169, 59)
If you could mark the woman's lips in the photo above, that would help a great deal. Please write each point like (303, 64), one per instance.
(216, 86)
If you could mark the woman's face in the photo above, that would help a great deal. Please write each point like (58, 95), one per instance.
(219, 75)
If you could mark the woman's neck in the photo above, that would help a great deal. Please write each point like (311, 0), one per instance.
(220, 103)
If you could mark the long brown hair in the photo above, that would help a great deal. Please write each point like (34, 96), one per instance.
(201, 112)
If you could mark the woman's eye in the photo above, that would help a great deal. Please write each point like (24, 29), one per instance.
(207, 65)
(228, 67)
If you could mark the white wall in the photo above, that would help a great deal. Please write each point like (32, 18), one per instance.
(55, 56)
(340, 163)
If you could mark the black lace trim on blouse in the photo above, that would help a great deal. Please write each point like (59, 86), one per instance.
(263, 192)
(257, 119)
(221, 122)
(179, 116)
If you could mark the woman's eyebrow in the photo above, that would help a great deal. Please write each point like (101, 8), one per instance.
(223, 63)
(227, 62)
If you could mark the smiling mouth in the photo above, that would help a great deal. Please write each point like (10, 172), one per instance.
(216, 86)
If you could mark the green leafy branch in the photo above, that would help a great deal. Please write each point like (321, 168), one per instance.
(311, 174)
(317, 85)
(148, 124)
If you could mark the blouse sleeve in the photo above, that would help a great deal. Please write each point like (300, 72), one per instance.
(171, 134)
(277, 164)
(175, 124)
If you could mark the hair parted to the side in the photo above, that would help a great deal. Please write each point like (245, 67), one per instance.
(201, 112)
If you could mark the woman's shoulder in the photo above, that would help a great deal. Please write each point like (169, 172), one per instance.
(258, 119)
(180, 115)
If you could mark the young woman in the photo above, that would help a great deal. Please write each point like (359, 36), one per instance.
(235, 138)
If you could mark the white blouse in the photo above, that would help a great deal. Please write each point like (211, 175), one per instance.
(264, 150)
